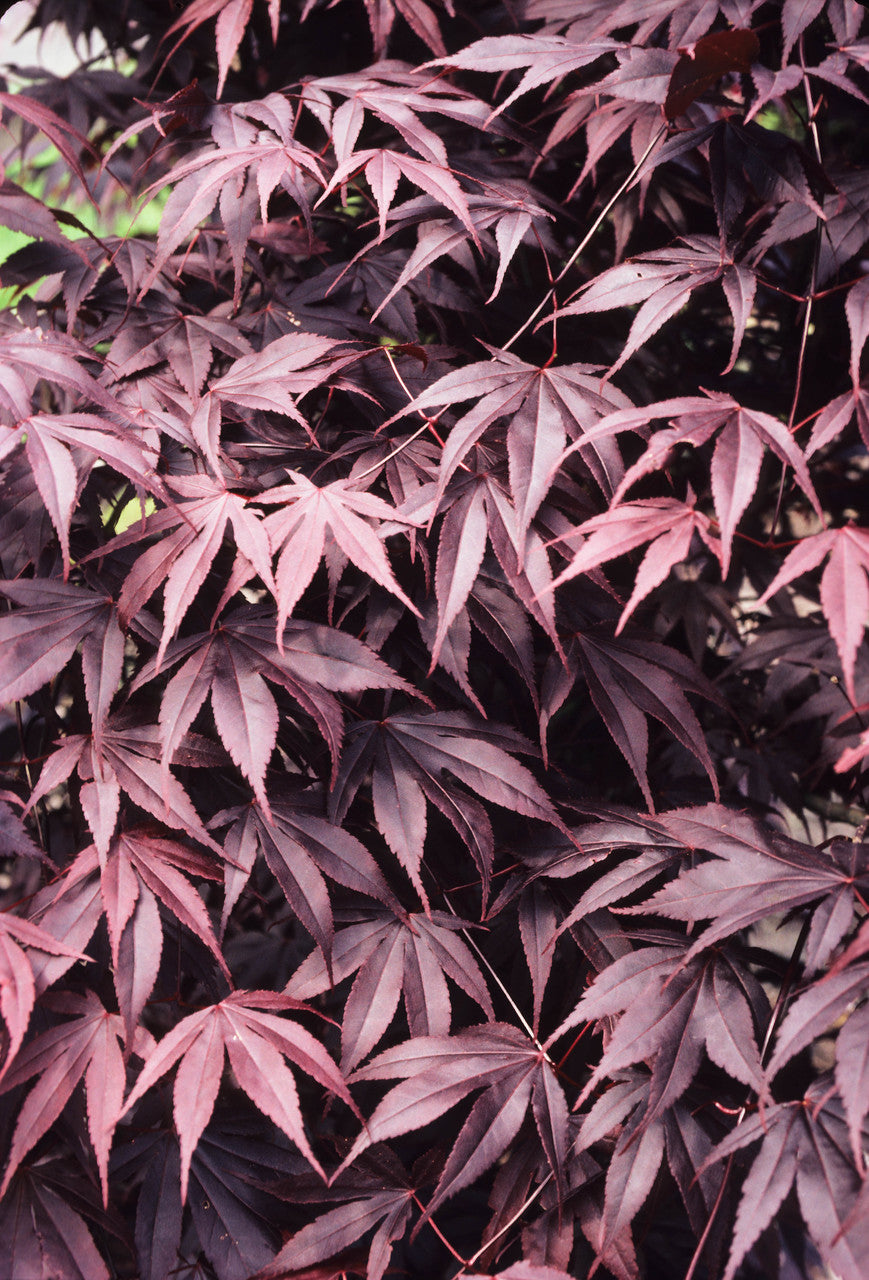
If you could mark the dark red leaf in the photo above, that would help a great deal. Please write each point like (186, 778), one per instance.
(703, 65)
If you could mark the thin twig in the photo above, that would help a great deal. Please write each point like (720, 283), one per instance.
(526, 1025)
(428, 423)
(512, 1221)
(394, 454)
(440, 1235)
(812, 127)
(587, 237)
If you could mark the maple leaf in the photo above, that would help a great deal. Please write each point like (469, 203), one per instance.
(192, 533)
(544, 406)
(510, 210)
(671, 1007)
(480, 511)
(42, 1232)
(298, 535)
(547, 58)
(844, 588)
(744, 434)
(17, 984)
(845, 220)
(232, 20)
(538, 928)
(663, 281)
(265, 380)
(49, 441)
(125, 760)
(246, 1027)
(87, 1049)
(231, 1197)
(300, 848)
(69, 141)
(412, 756)
(40, 637)
(21, 211)
(231, 664)
(667, 524)
(187, 342)
(754, 872)
(139, 871)
(395, 95)
(153, 1158)
(439, 1071)
(254, 167)
(383, 168)
(653, 850)
(336, 1230)
(803, 1142)
(30, 355)
(394, 955)
(636, 1158)
(629, 680)
(295, 363)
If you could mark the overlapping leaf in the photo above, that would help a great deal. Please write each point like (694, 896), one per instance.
(413, 756)
(231, 665)
(40, 637)
(396, 96)
(662, 282)
(43, 1232)
(756, 871)
(744, 435)
(139, 871)
(86, 1048)
(668, 525)
(806, 1143)
(17, 985)
(253, 168)
(631, 680)
(126, 760)
(393, 955)
(312, 520)
(546, 58)
(545, 406)
(844, 587)
(246, 1027)
(302, 851)
(437, 1072)
(671, 1008)
(384, 168)
(191, 534)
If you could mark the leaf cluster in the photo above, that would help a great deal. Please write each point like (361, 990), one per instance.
(433, 668)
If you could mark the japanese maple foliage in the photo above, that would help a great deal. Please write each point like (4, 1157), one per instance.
(434, 565)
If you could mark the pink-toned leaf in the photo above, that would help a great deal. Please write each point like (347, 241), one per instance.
(84, 1048)
(734, 474)
(795, 17)
(333, 1232)
(41, 636)
(857, 313)
(538, 927)
(546, 57)
(257, 1044)
(231, 24)
(460, 555)
(844, 588)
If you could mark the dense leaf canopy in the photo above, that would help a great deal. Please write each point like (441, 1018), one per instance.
(434, 692)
